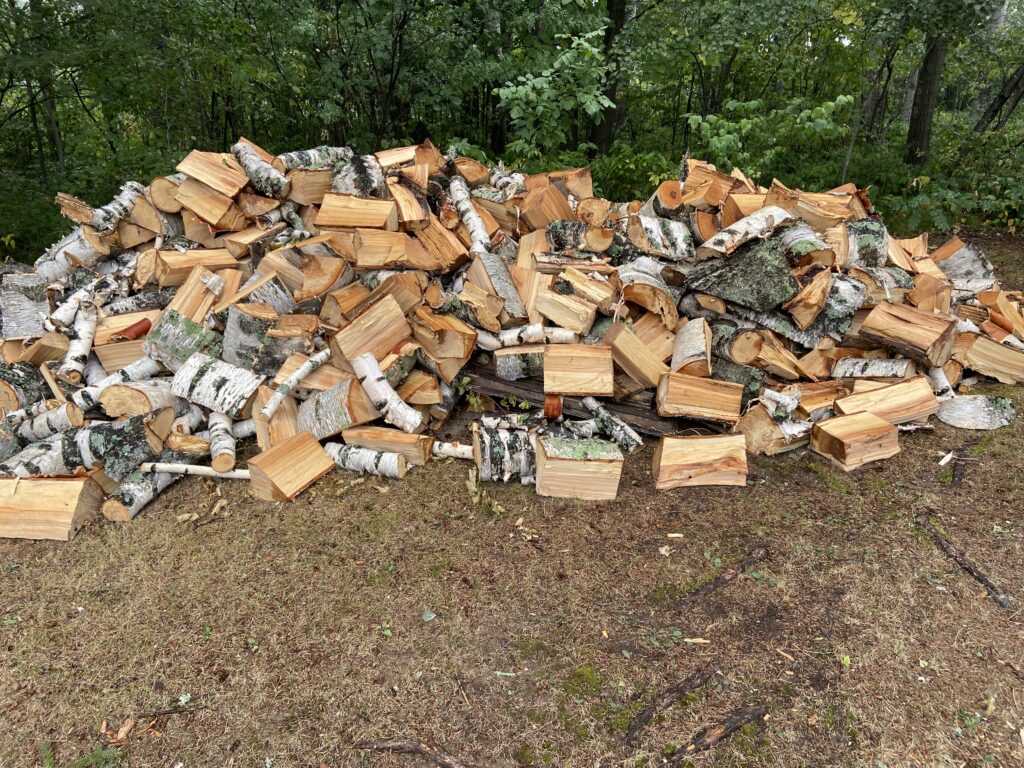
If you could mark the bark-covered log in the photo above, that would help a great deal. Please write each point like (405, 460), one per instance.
(272, 292)
(611, 425)
(643, 284)
(176, 338)
(15, 418)
(327, 413)
(504, 454)
(452, 450)
(317, 157)
(367, 461)
(222, 442)
(48, 423)
(868, 243)
(21, 386)
(508, 183)
(23, 306)
(383, 396)
(361, 176)
(535, 333)
(285, 387)
(155, 299)
(751, 378)
(761, 223)
(669, 239)
(867, 368)
(246, 326)
(83, 247)
(190, 421)
(563, 235)
(193, 470)
(216, 385)
(138, 488)
(107, 217)
(64, 315)
(800, 241)
(142, 369)
(83, 330)
(265, 178)
(756, 276)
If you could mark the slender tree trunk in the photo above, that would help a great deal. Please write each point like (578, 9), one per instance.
(604, 130)
(1009, 93)
(926, 95)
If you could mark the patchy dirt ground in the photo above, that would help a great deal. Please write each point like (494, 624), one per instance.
(514, 630)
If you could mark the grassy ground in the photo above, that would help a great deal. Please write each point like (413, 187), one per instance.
(515, 630)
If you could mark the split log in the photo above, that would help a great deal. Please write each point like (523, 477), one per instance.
(377, 329)
(855, 440)
(83, 330)
(911, 400)
(284, 471)
(642, 284)
(926, 337)
(265, 178)
(501, 454)
(989, 358)
(21, 386)
(415, 448)
(176, 338)
(635, 357)
(691, 349)
(442, 335)
(222, 441)
(134, 398)
(696, 397)
(683, 462)
(338, 210)
(384, 398)
(578, 369)
(806, 305)
(514, 363)
(765, 435)
(366, 461)
(47, 508)
(217, 170)
(216, 385)
(162, 191)
(578, 469)
(327, 413)
(359, 175)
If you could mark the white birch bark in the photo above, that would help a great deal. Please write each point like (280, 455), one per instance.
(317, 157)
(286, 386)
(107, 217)
(142, 369)
(506, 454)
(216, 385)
(14, 419)
(690, 346)
(757, 225)
(860, 368)
(155, 392)
(326, 413)
(508, 183)
(977, 412)
(366, 461)
(155, 299)
(384, 398)
(265, 178)
(611, 425)
(73, 250)
(273, 292)
(671, 239)
(64, 315)
(83, 330)
(23, 306)
(94, 371)
(192, 469)
(361, 176)
(452, 450)
(48, 423)
(940, 384)
(176, 338)
(190, 421)
(534, 333)
(222, 442)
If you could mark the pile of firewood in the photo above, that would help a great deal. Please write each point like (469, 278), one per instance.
(306, 298)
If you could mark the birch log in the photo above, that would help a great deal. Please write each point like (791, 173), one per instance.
(534, 333)
(384, 398)
(759, 224)
(361, 176)
(691, 349)
(192, 469)
(64, 315)
(327, 413)
(23, 306)
(317, 157)
(265, 178)
(21, 386)
(190, 421)
(48, 423)
(367, 461)
(136, 397)
(177, 337)
(216, 385)
(83, 330)
(286, 386)
(452, 450)
(142, 369)
(83, 247)
(504, 454)
(508, 183)
(107, 217)
(139, 302)
(246, 326)
(222, 442)
(9, 443)
(138, 488)
(243, 429)
(14, 419)
(612, 426)
(670, 239)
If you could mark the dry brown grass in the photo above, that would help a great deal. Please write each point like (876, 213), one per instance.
(297, 630)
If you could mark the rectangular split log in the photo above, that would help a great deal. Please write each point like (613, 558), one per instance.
(923, 336)
(576, 369)
(911, 400)
(855, 440)
(634, 357)
(682, 462)
(696, 397)
(47, 508)
(578, 469)
(290, 467)
(415, 448)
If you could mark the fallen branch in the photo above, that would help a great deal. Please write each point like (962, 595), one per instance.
(664, 700)
(710, 737)
(966, 564)
(399, 746)
(723, 578)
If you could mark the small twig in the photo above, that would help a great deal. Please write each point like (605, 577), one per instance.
(710, 737)
(171, 711)
(967, 565)
(723, 578)
(411, 747)
(665, 700)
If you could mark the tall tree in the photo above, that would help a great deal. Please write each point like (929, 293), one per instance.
(929, 79)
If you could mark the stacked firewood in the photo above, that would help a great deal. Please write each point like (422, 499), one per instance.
(335, 307)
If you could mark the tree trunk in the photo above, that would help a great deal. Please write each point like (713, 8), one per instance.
(1009, 93)
(926, 95)
(604, 129)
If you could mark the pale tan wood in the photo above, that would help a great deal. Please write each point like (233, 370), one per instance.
(989, 358)
(473, 171)
(198, 230)
(281, 473)
(144, 214)
(566, 311)
(405, 287)
(442, 246)
(578, 181)
(413, 211)
(855, 440)
(377, 329)
(415, 448)
(210, 205)
(634, 357)
(816, 396)
(217, 170)
(162, 190)
(739, 205)
(543, 205)
(924, 336)
(682, 462)
(337, 210)
(597, 291)
(279, 427)
(808, 303)
(340, 304)
(117, 355)
(308, 186)
(324, 377)
(132, 235)
(108, 329)
(930, 295)
(253, 206)
(173, 267)
(47, 507)
(578, 469)
(442, 335)
(50, 346)
(239, 243)
(763, 435)
(910, 400)
(691, 348)
(650, 329)
(193, 298)
(697, 397)
(420, 388)
(579, 370)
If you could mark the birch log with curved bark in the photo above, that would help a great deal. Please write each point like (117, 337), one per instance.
(155, 299)
(367, 461)
(612, 426)
(361, 176)
(138, 488)
(21, 386)
(503, 454)
(14, 419)
(222, 442)
(317, 157)
(83, 330)
(107, 217)
(383, 396)
(244, 330)
(23, 306)
(243, 428)
(670, 239)
(177, 337)
(216, 385)
(48, 423)
(286, 386)
(82, 247)
(452, 450)
(64, 315)
(757, 225)
(535, 333)
(265, 178)
(190, 421)
(193, 470)
(643, 284)
(140, 370)
(507, 182)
